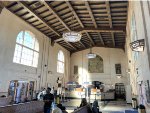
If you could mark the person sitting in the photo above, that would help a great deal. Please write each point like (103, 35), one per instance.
(57, 110)
(95, 107)
(83, 102)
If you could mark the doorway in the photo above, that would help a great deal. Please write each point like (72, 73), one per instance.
(120, 91)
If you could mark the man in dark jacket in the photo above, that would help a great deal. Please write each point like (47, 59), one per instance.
(48, 99)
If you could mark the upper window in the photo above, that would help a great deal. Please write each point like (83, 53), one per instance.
(27, 49)
(60, 62)
(134, 37)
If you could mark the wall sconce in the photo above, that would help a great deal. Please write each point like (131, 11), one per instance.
(119, 76)
(137, 45)
(49, 72)
(128, 71)
(129, 61)
(137, 70)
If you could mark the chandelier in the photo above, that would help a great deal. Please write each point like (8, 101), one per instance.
(91, 55)
(72, 35)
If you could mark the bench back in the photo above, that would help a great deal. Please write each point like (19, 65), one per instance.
(5, 101)
(85, 109)
(28, 107)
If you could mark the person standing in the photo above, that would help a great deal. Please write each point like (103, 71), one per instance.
(59, 89)
(48, 99)
(52, 90)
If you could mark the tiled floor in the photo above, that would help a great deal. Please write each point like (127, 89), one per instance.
(107, 107)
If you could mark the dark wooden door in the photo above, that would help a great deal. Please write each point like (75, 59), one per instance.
(120, 91)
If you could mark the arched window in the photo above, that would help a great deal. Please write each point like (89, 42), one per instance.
(60, 62)
(27, 49)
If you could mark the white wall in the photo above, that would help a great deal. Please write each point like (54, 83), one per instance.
(141, 62)
(10, 26)
(110, 57)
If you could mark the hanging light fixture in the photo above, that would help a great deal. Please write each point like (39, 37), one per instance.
(90, 54)
(72, 36)
(137, 45)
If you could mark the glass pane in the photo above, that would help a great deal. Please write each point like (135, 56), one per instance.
(35, 59)
(20, 38)
(60, 67)
(27, 56)
(36, 47)
(17, 54)
(29, 40)
(61, 56)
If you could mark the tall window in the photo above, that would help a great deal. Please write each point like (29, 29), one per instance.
(27, 49)
(60, 62)
(134, 36)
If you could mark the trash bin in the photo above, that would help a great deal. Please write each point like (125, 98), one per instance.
(141, 109)
(134, 103)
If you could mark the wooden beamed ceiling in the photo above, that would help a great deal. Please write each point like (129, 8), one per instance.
(102, 23)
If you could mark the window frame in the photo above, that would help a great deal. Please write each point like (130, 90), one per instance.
(60, 61)
(26, 47)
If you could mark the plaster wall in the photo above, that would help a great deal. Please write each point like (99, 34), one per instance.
(139, 64)
(110, 57)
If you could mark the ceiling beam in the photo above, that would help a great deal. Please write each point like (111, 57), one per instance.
(1, 8)
(102, 41)
(4, 4)
(27, 22)
(51, 9)
(90, 38)
(61, 39)
(121, 47)
(37, 16)
(75, 14)
(103, 29)
(113, 39)
(78, 19)
(109, 13)
(93, 20)
(110, 21)
(42, 20)
(70, 45)
(90, 13)
(82, 44)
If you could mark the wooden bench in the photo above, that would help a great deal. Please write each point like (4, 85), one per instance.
(5, 101)
(85, 109)
(28, 107)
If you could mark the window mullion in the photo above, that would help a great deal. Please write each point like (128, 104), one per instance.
(22, 47)
(28, 48)
(32, 58)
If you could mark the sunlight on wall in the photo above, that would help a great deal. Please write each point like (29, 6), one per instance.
(83, 75)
